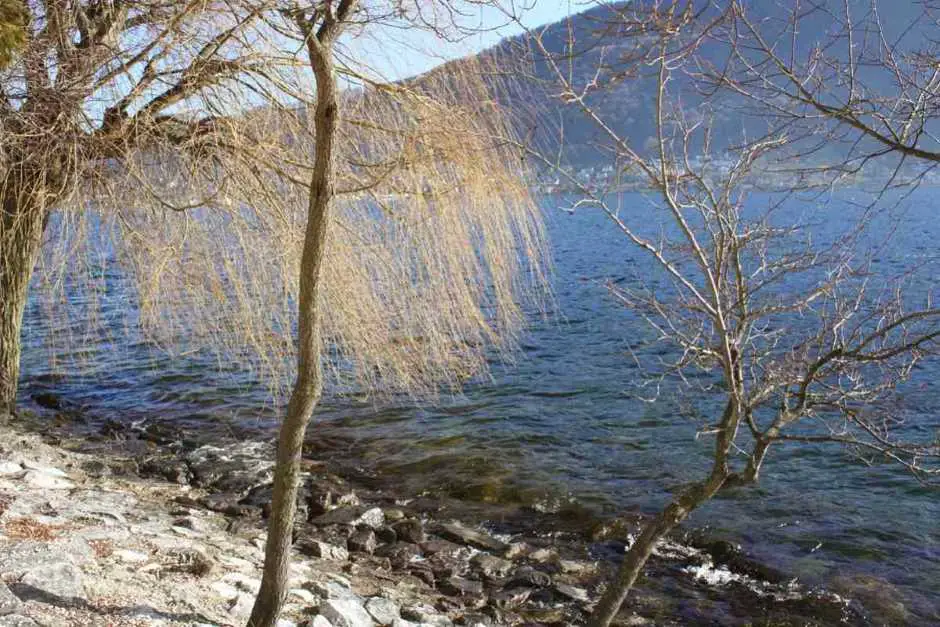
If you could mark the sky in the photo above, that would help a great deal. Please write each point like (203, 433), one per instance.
(395, 54)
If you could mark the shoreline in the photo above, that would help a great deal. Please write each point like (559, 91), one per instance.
(430, 560)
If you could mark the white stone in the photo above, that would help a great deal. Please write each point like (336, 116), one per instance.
(131, 557)
(346, 613)
(382, 610)
(60, 579)
(38, 479)
(48, 470)
(320, 621)
(224, 590)
(334, 590)
(9, 468)
(304, 595)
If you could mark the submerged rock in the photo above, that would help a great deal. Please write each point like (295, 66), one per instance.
(458, 532)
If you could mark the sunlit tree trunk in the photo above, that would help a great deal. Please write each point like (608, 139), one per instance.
(21, 226)
(309, 382)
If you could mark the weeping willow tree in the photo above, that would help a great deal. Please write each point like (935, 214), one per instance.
(380, 236)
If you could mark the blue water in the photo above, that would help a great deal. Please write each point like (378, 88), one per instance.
(566, 422)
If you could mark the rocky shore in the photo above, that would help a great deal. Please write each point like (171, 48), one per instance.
(146, 528)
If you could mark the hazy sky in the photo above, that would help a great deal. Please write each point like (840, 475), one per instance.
(396, 54)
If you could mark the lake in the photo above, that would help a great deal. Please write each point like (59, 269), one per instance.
(566, 424)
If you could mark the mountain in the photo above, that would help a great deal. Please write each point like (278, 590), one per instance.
(599, 47)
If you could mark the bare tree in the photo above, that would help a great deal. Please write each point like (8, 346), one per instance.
(796, 340)
(93, 82)
(194, 148)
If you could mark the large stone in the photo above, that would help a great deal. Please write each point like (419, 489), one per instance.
(459, 532)
(460, 587)
(572, 592)
(46, 480)
(319, 621)
(384, 611)
(61, 580)
(399, 554)
(352, 516)
(362, 541)
(528, 576)
(346, 613)
(323, 550)
(410, 531)
(333, 590)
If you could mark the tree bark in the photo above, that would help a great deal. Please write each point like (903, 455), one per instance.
(654, 531)
(308, 384)
(21, 226)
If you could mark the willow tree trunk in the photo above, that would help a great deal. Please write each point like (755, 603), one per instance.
(308, 384)
(21, 226)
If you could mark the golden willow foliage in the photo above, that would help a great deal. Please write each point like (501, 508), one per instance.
(13, 23)
(435, 249)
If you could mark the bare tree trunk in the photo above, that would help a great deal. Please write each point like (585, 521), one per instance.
(21, 225)
(636, 558)
(308, 385)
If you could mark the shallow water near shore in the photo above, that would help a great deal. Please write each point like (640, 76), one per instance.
(565, 425)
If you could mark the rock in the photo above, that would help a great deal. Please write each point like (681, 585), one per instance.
(573, 567)
(318, 621)
(345, 613)
(328, 494)
(61, 580)
(515, 550)
(168, 468)
(304, 595)
(510, 598)
(15, 620)
(10, 468)
(460, 587)
(433, 547)
(426, 615)
(352, 516)
(323, 550)
(383, 611)
(465, 535)
(527, 576)
(491, 566)
(394, 515)
(8, 601)
(227, 503)
(399, 554)
(259, 497)
(571, 592)
(386, 535)
(362, 541)
(192, 561)
(47, 480)
(130, 557)
(192, 523)
(96, 469)
(225, 591)
(333, 590)
(544, 556)
(410, 531)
